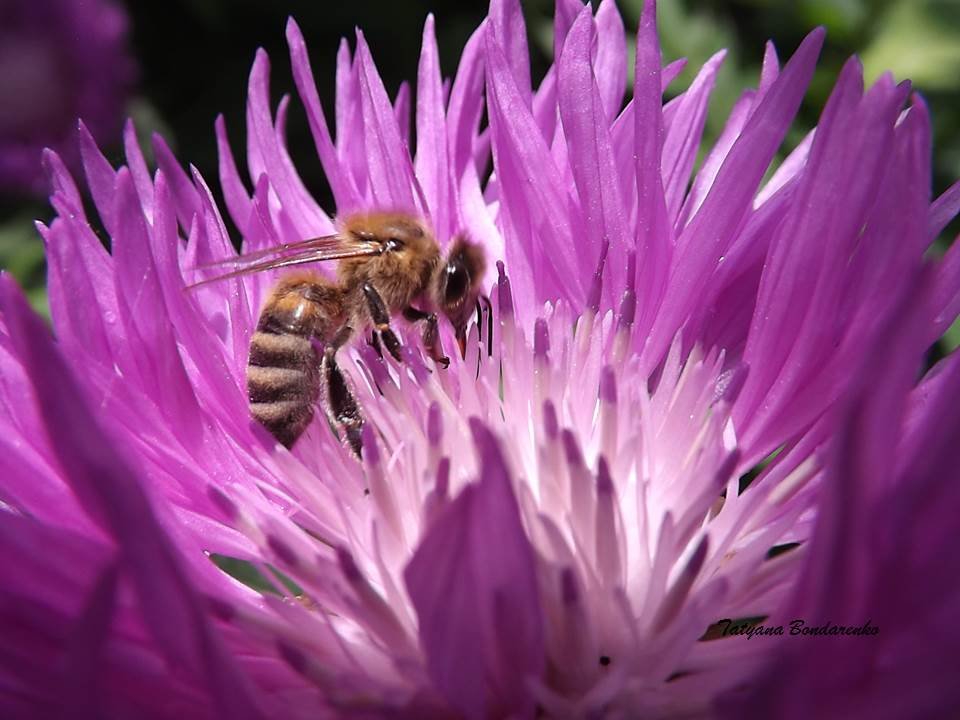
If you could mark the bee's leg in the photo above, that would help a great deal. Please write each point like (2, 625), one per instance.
(381, 320)
(431, 334)
(344, 408)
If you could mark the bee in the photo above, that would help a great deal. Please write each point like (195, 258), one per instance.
(388, 263)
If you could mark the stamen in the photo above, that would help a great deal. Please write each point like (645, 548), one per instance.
(442, 485)
(294, 657)
(627, 314)
(541, 339)
(505, 305)
(223, 503)
(380, 618)
(221, 609)
(304, 664)
(608, 412)
(791, 485)
(437, 498)
(504, 294)
(541, 361)
(371, 451)
(578, 647)
(552, 478)
(380, 489)
(730, 383)
(581, 489)
(434, 425)
(550, 424)
(585, 323)
(283, 552)
(675, 597)
(607, 549)
(703, 504)
(596, 285)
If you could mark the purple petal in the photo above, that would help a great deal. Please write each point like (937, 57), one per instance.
(235, 195)
(770, 69)
(344, 191)
(565, 12)
(65, 196)
(943, 210)
(881, 551)
(817, 275)
(187, 203)
(473, 584)
(138, 168)
(81, 690)
(714, 160)
(112, 493)
(653, 240)
(401, 111)
(351, 145)
(702, 242)
(306, 217)
(466, 102)
(193, 331)
(431, 164)
(83, 302)
(143, 311)
(389, 167)
(611, 60)
(505, 21)
(540, 233)
(682, 141)
(100, 175)
(40, 603)
(947, 293)
(469, 210)
(214, 244)
(591, 156)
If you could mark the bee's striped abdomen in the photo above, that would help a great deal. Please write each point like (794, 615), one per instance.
(283, 372)
(283, 384)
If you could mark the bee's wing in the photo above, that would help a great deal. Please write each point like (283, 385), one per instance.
(330, 247)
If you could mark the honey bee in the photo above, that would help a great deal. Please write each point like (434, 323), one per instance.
(388, 263)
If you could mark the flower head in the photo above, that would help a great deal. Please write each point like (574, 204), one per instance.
(555, 524)
(59, 60)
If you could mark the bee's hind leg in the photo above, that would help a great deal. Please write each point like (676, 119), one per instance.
(343, 406)
(431, 334)
(381, 321)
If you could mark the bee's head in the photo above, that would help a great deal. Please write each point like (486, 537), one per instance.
(457, 285)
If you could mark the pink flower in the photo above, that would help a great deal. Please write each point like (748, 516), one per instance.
(59, 60)
(554, 525)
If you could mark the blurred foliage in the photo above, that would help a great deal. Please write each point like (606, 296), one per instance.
(265, 579)
(21, 253)
(195, 55)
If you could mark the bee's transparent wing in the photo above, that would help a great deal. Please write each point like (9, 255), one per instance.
(329, 247)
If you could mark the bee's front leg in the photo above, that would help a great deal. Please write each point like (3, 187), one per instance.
(381, 320)
(431, 334)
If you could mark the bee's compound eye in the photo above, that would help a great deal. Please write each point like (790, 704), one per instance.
(457, 281)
